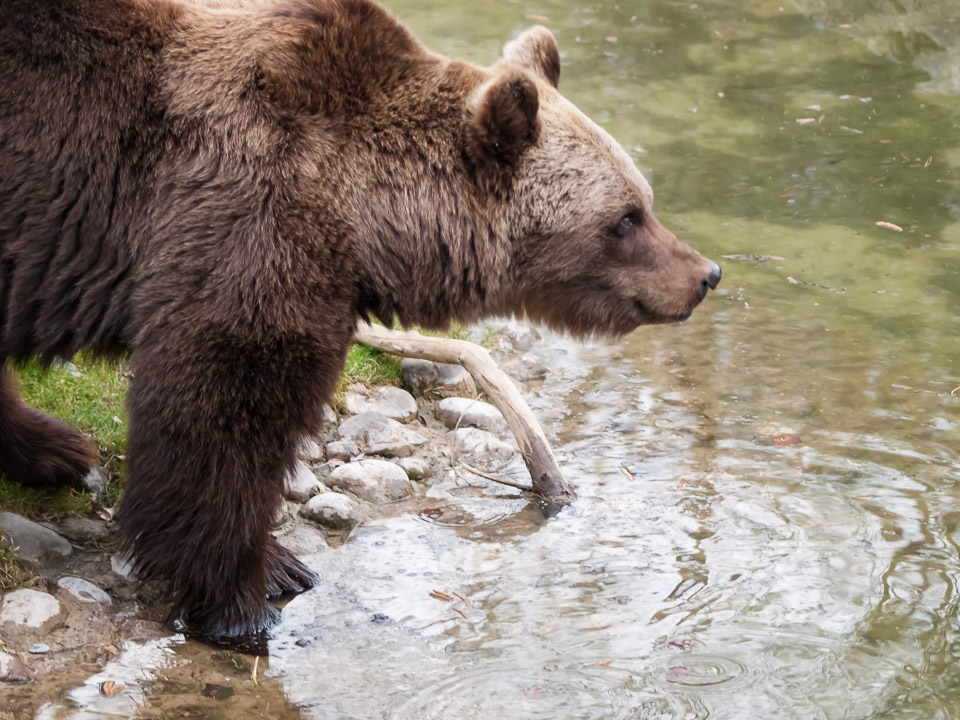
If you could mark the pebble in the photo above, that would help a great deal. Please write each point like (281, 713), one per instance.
(464, 412)
(330, 416)
(27, 610)
(439, 379)
(35, 543)
(96, 481)
(38, 649)
(301, 484)
(416, 468)
(375, 481)
(392, 402)
(84, 590)
(303, 539)
(121, 564)
(342, 450)
(379, 435)
(309, 450)
(481, 449)
(333, 510)
(13, 671)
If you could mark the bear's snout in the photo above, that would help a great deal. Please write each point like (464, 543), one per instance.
(711, 281)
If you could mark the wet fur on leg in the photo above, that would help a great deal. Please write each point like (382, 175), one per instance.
(285, 574)
(35, 448)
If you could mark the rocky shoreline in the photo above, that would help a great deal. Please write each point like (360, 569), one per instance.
(390, 445)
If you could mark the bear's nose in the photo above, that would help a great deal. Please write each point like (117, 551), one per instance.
(713, 279)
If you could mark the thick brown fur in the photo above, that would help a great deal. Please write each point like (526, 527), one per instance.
(222, 190)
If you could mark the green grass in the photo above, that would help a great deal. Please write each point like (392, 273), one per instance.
(89, 394)
(12, 573)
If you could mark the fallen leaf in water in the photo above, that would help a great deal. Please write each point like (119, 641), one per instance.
(889, 225)
(787, 439)
(109, 688)
(792, 280)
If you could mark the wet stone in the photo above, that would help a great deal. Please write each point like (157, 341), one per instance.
(34, 542)
(13, 671)
(301, 484)
(416, 468)
(462, 412)
(342, 450)
(84, 591)
(392, 402)
(329, 416)
(439, 379)
(513, 337)
(38, 649)
(333, 510)
(379, 435)
(375, 481)
(30, 611)
(481, 449)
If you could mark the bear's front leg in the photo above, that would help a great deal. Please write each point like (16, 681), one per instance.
(214, 422)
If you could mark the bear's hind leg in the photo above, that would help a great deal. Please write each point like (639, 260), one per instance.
(35, 448)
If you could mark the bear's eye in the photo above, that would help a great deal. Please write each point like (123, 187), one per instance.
(628, 222)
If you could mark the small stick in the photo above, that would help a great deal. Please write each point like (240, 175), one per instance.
(256, 662)
(503, 481)
(460, 612)
(465, 601)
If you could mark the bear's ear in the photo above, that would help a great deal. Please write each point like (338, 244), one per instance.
(536, 50)
(502, 118)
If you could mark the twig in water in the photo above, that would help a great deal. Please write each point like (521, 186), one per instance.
(256, 662)
(502, 481)
(465, 601)
(460, 612)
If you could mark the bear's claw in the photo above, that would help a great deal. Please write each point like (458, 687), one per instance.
(285, 574)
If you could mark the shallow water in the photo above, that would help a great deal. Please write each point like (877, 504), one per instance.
(711, 566)
(707, 570)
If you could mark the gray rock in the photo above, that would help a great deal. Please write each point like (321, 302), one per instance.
(121, 564)
(525, 368)
(13, 671)
(463, 412)
(483, 450)
(330, 417)
(416, 468)
(333, 510)
(512, 337)
(304, 540)
(30, 611)
(424, 376)
(392, 402)
(342, 450)
(96, 481)
(375, 481)
(82, 530)
(34, 542)
(379, 435)
(301, 484)
(84, 590)
(309, 450)
(38, 649)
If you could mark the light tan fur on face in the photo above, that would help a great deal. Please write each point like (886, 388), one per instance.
(573, 187)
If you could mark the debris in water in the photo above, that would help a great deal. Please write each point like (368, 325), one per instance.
(541, 18)
(626, 472)
(792, 280)
(752, 257)
(439, 595)
(805, 121)
(602, 663)
(786, 439)
(889, 225)
(459, 612)
(108, 688)
(611, 38)
(462, 598)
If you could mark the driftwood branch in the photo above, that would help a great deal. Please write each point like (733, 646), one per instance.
(545, 473)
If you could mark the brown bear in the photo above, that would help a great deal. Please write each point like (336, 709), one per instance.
(223, 190)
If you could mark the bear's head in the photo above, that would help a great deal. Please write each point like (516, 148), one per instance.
(588, 254)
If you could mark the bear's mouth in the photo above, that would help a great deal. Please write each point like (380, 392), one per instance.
(653, 318)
